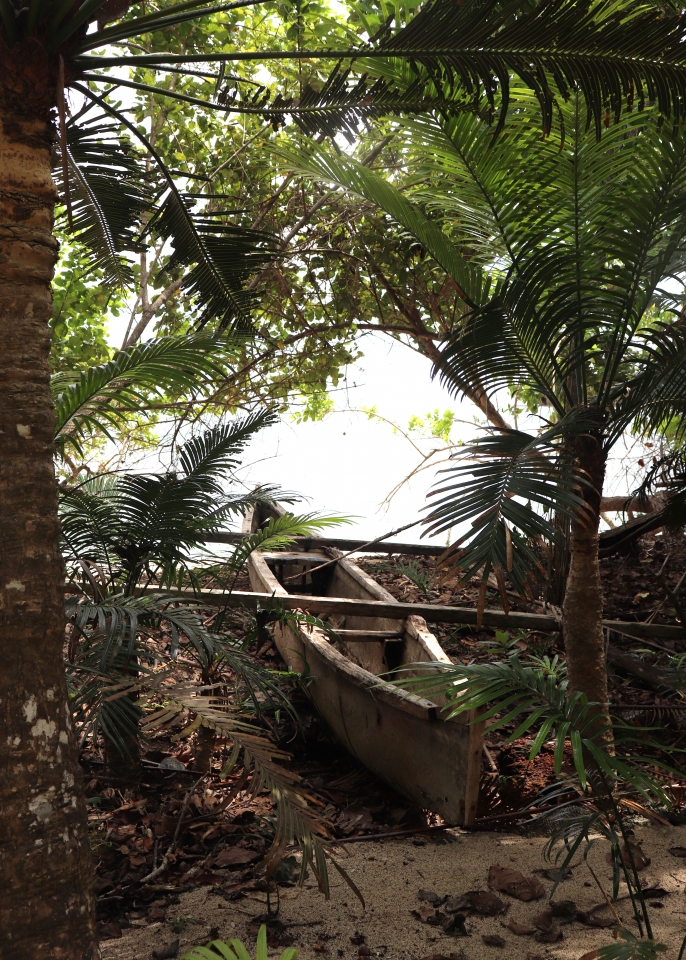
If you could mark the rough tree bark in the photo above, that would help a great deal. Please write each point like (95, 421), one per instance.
(582, 612)
(46, 907)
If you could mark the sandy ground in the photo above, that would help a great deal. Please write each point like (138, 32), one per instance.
(389, 874)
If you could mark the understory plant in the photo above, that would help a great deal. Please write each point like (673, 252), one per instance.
(235, 950)
(607, 780)
(131, 542)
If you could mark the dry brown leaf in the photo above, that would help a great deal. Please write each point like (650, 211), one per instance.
(564, 909)
(550, 936)
(519, 929)
(544, 920)
(481, 901)
(641, 861)
(593, 920)
(234, 856)
(443, 956)
(426, 914)
(515, 883)
(430, 897)
(492, 940)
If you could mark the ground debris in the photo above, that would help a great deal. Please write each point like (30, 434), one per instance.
(492, 940)
(515, 883)
(167, 953)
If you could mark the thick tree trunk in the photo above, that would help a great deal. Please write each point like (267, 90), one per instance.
(46, 907)
(582, 612)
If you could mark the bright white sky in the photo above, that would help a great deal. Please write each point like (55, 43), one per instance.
(348, 464)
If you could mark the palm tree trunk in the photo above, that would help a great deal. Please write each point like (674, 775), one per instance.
(46, 907)
(582, 612)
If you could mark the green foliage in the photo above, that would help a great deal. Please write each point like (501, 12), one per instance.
(412, 571)
(560, 283)
(504, 641)
(434, 424)
(102, 399)
(108, 194)
(631, 948)
(316, 407)
(127, 540)
(234, 950)
(82, 304)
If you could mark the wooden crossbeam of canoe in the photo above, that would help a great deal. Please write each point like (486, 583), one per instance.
(432, 613)
(345, 545)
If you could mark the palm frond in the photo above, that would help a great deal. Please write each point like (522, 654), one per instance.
(579, 46)
(317, 164)
(616, 55)
(215, 452)
(494, 483)
(505, 691)
(604, 756)
(220, 256)
(278, 533)
(159, 20)
(109, 191)
(102, 398)
(655, 398)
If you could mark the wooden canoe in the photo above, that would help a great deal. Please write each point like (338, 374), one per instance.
(402, 738)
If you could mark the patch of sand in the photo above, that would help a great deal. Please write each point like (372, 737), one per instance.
(389, 874)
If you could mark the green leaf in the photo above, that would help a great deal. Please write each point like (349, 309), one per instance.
(102, 399)
(316, 163)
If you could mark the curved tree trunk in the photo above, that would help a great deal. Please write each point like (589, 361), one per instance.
(46, 907)
(582, 612)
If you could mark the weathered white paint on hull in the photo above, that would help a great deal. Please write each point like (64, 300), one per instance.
(401, 738)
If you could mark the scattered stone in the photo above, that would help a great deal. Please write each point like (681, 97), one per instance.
(167, 953)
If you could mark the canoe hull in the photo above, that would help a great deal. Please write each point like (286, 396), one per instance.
(401, 738)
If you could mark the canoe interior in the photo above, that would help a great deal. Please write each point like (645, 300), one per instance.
(402, 738)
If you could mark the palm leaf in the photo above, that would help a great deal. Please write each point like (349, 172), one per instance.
(102, 399)
(494, 484)
(109, 191)
(317, 164)
(296, 821)
(278, 533)
(208, 457)
(221, 257)
(615, 54)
